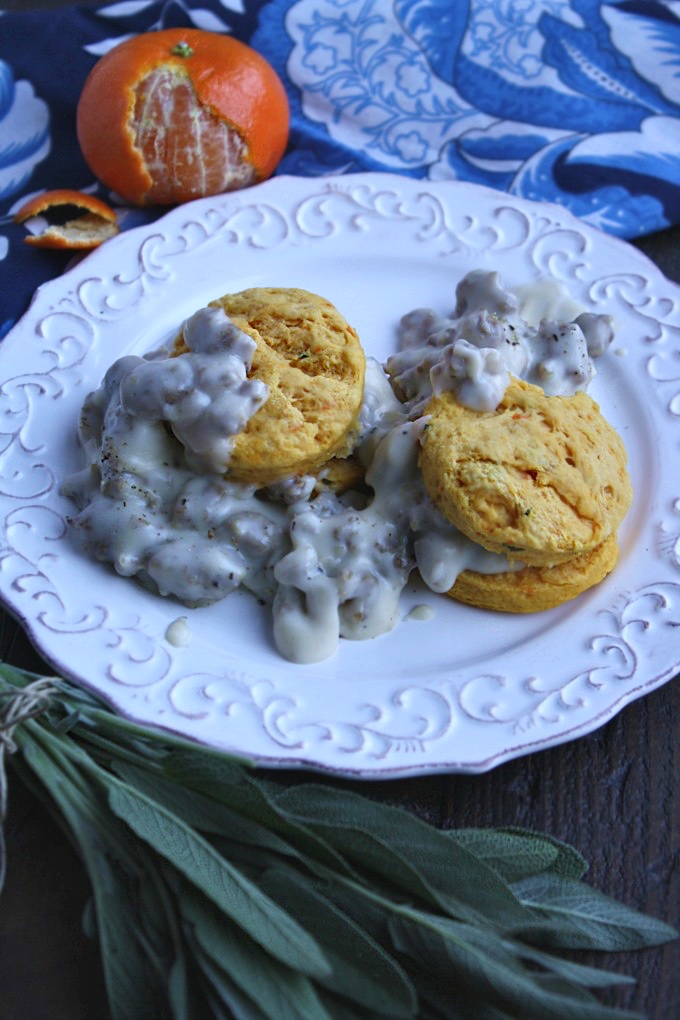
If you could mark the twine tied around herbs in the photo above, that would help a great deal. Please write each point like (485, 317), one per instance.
(19, 705)
(15, 707)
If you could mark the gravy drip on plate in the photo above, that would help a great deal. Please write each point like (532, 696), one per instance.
(154, 502)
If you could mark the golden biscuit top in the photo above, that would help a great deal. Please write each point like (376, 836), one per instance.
(313, 364)
(540, 479)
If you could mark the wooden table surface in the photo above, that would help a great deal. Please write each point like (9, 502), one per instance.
(614, 795)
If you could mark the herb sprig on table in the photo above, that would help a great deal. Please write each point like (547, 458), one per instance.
(219, 893)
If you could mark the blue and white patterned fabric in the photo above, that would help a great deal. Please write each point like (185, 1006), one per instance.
(569, 101)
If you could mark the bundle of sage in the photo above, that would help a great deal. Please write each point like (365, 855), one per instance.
(217, 892)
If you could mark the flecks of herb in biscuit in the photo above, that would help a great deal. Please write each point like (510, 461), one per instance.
(312, 361)
(540, 479)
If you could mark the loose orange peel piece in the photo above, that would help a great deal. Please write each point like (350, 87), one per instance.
(80, 221)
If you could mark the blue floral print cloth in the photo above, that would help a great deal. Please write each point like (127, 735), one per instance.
(568, 101)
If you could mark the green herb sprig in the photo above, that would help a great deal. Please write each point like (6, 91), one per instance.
(218, 893)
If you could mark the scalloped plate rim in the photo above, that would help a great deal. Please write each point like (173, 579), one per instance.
(408, 753)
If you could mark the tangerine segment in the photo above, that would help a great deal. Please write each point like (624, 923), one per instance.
(209, 158)
(181, 113)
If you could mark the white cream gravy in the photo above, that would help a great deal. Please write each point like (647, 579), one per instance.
(153, 500)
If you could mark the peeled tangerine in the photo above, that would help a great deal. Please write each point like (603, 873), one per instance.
(178, 114)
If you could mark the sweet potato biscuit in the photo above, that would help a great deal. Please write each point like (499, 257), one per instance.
(340, 474)
(313, 363)
(532, 589)
(540, 479)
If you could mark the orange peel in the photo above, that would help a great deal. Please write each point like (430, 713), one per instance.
(92, 222)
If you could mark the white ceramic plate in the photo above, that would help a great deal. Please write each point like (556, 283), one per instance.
(461, 691)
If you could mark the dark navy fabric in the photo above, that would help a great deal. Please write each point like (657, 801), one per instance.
(568, 101)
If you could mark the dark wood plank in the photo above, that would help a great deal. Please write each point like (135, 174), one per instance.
(613, 795)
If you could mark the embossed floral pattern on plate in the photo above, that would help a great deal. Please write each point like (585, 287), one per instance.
(460, 691)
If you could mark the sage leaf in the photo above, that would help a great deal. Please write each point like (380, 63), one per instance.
(367, 905)
(461, 957)
(132, 995)
(202, 812)
(580, 917)
(126, 975)
(516, 854)
(570, 970)
(254, 799)
(361, 969)
(406, 851)
(209, 879)
(178, 990)
(225, 994)
(239, 898)
(443, 1005)
(282, 994)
